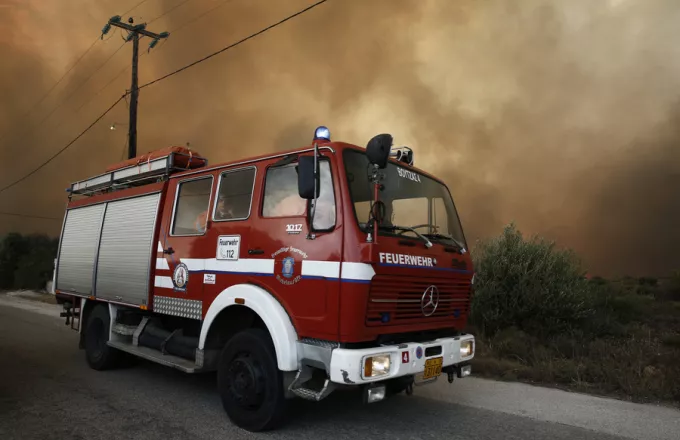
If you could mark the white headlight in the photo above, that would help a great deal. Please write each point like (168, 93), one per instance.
(376, 366)
(467, 348)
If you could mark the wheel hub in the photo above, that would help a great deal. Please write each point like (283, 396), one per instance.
(246, 381)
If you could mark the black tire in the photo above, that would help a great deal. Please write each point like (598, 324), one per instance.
(99, 355)
(250, 383)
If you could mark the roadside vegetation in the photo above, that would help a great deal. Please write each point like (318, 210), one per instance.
(26, 261)
(538, 319)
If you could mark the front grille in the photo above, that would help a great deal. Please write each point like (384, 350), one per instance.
(397, 300)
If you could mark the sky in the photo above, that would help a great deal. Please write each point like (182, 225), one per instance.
(560, 116)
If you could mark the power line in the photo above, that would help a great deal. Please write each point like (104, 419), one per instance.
(169, 10)
(102, 89)
(133, 8)
(73, 66)
(243, 40)
(63, 149)
(187, 23)
(72, 93)
(40, 217)
(193, 20)
(125, 147)
(82, 84)
(290, 17)
(60, 80)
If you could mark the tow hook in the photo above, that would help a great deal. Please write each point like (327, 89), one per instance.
(67, 312)
(450, 372)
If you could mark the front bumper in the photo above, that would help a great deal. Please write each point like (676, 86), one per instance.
(347, 365)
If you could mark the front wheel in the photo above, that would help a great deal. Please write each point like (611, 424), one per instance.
(250, 383)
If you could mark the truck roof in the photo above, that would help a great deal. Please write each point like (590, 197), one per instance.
(335, 146)
(149, 169)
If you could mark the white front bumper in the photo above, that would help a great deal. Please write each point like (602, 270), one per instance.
(347, 364)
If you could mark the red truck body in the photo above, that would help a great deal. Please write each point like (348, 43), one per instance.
(338, 285)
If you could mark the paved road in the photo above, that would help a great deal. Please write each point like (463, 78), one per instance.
(48, 392)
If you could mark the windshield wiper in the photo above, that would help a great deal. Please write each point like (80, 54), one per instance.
(460, 245)
(428, 243)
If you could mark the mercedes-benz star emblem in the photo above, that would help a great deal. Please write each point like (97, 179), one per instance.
(429, 300)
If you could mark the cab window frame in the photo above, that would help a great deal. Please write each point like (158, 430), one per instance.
(335, 202)
(219, 186)
(176, 202)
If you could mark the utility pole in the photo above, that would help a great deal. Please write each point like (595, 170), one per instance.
(135, 32)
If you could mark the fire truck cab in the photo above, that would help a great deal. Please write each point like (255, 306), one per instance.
(290, 275)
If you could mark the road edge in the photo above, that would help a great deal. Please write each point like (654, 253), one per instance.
(600, 414)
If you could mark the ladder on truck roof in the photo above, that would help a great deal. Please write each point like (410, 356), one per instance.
(142, 173)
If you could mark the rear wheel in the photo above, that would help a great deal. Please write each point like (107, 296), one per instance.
(99, 355)
(250, 383)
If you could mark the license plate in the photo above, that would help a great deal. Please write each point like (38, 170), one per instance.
(433, 368)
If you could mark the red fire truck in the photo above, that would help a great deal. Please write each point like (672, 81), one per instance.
(289, 275)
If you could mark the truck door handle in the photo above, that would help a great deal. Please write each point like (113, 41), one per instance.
(169, 251)
(255, 251)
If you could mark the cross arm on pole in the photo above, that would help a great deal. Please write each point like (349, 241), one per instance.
(136, 28)
(140, 29)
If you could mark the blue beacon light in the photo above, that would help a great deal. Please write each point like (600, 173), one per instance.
(322, 133)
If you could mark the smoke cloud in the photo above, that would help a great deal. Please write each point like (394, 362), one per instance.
(560, 116)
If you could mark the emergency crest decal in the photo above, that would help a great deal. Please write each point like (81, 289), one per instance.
(288, 268)
(180, 277)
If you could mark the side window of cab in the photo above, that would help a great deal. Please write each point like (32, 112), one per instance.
(191, 207)
(281, 198)
(235, 194)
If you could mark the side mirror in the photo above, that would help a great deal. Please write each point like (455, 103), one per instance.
(378, 150)
(306, 183)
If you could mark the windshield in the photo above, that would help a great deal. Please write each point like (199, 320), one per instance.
(411, 200)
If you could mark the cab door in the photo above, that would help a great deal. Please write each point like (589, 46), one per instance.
(306, 257)
(229, 233)
(183, 247)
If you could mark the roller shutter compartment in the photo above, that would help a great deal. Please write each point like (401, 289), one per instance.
(126, 249)
(78, 249)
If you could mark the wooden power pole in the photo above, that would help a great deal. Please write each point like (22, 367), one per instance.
(135, 32)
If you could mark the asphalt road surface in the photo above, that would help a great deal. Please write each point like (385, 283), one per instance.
(47, 391)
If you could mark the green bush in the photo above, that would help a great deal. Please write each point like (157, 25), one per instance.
(528, 284)
(26, 262)
(540, 321)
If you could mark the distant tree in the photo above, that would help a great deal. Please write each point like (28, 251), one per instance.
(26, 262)
(36, 266)
(12, 247)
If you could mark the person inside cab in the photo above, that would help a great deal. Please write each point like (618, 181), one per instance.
(223, 211)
